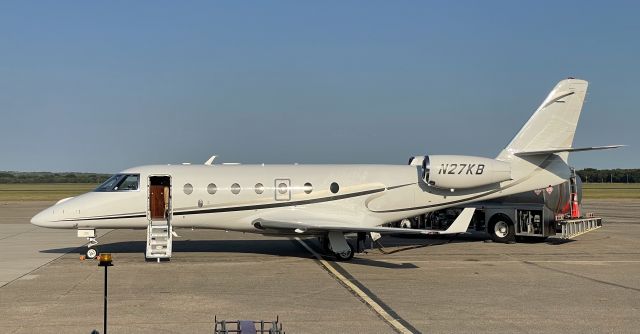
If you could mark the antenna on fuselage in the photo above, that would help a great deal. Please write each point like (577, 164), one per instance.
(210, 161)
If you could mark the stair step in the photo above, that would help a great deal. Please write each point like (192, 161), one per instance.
(159, 239)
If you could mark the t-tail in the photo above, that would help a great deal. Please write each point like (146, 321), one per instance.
(549, 133)
(536, 157)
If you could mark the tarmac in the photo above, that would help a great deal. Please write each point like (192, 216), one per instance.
(463, 285)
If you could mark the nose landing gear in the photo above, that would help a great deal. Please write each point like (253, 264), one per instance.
(91, 251)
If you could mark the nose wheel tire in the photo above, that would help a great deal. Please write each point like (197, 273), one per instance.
(91, 253)
(346, 255)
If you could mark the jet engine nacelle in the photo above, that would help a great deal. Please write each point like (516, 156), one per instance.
(460, 171)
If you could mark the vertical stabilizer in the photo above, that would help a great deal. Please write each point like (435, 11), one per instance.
(554, 123)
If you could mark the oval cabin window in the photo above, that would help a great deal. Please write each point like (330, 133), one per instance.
(308, 188)
(282, 188)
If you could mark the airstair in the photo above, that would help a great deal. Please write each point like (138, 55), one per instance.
(159, 239)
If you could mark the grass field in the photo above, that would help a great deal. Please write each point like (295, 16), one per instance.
(611, 190)
(57, 191)
(42, 191)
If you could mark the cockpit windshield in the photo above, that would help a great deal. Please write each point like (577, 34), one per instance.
(120, 182)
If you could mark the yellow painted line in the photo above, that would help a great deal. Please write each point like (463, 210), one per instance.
(374, 306)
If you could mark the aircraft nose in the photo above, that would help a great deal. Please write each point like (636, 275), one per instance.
(43, 219)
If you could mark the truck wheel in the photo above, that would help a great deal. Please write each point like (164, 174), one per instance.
(501, 229)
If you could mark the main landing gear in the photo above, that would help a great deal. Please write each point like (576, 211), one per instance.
(336, 244)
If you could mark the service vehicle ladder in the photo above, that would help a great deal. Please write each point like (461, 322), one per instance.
(248, 327)
(570, 228)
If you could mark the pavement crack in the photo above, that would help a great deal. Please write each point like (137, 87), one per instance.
(19, 233)
(583, 277)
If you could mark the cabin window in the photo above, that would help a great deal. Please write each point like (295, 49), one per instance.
(259, 188)
(235, 188)
(308, 188)
(334, 187)
(129, 183)
(282, 188)
(212, 188)
(188, 188)
(120, 182)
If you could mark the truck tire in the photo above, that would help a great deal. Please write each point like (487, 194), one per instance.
(501, 229)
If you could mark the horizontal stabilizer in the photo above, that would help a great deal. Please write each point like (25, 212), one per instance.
(566, 149)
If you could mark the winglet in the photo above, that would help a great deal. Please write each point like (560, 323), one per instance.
(210, 161)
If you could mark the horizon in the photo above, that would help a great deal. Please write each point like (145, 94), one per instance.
(107, 173)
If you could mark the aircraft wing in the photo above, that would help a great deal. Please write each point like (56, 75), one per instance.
(566, 149)
(315, 225)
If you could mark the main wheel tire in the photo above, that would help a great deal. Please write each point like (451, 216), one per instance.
(501, 229)
(91, 253)
(346, 255)
(405, 223)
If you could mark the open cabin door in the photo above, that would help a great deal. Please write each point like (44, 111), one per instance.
(159, 213)
(159, 197)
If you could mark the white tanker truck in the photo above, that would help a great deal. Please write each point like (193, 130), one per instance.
(554, 211)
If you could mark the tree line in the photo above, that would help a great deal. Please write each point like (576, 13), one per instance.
(49, 177)
(592, 175)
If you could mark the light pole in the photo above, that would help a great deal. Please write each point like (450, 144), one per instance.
(105, 261)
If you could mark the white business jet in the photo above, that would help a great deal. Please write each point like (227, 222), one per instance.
(327, 201)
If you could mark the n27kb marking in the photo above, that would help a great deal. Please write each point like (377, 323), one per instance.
(466, 169)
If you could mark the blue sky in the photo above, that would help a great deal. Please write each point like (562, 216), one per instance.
(102, 86)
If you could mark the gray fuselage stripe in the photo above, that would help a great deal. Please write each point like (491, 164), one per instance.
(280, 204)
